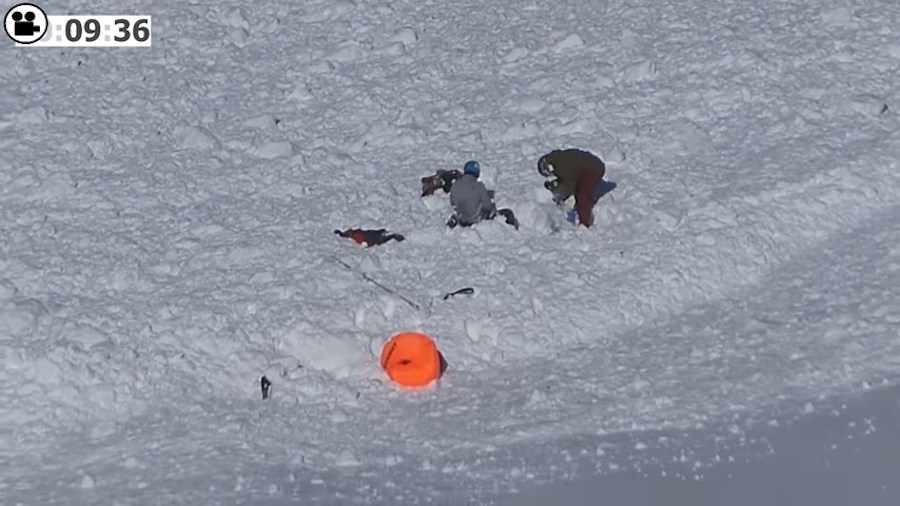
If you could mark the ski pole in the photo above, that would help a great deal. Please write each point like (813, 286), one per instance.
(387, 289)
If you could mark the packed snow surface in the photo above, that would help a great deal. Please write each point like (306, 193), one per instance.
(166, 219)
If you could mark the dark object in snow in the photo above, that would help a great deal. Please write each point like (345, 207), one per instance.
(510, 217)
(462, 291)
(369, 237)
(443, 363)
(266, 386)
(442, 179)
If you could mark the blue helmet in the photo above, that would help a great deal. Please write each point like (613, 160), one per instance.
(472, 167)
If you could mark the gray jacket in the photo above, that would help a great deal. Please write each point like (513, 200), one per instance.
(470, 200)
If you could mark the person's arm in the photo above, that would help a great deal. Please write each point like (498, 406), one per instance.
(560, 189)
(487, 203)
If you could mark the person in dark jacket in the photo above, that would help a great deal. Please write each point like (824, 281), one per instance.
(574, 172)
(472, 202)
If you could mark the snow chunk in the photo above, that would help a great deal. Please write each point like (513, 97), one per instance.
(300, 93)
(236, 18)
(515, 55)
(894, 51)
(865, 104)
(243, 254)
(393, 460)
(472, 329)
(322, 67)
(21, 316)
(21, 182)
(571, 42)
(641, 71)
(689, 136)
(394, 49)
(57, 185)
(196, 138)
(346, 51)
(531, 105)
(330, 11)
(339, 8)
(46, 372)
(339, 355)
(76, 147)
(838, 17)
(99, 148)
(239, 37)
(7, 290)
(406, 36)
(88, 482)
(347, 459)
(520, 131)
(537, 398)
(209, 117)
(260, 121)
(32, 116)
(274, 149)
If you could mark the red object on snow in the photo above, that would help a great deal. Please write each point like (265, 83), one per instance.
(369, 237)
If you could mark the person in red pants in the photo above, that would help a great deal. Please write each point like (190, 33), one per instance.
(575, 172)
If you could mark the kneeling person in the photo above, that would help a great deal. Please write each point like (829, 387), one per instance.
(472, 202)
(575, 172)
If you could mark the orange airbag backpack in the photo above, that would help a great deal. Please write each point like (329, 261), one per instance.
(411, 359)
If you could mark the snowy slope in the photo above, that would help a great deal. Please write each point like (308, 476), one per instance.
(167, 216)
(834, 457)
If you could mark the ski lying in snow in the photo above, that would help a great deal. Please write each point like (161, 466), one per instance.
(461, 291)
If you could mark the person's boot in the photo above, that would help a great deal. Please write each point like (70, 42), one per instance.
(510, 217)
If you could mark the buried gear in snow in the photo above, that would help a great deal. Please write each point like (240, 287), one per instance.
(369, 238)
(440, 180)
(510, 217)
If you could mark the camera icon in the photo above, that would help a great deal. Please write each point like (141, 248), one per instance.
(26, 23)
(25, 28)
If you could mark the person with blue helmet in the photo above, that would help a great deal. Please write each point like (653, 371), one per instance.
(471, 201)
